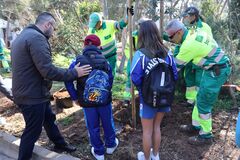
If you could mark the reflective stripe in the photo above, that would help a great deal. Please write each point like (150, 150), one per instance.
(191, 88)
(209, 66)
(219, 57)
(202, 132)
(211, 53)
(195, 123)
(108, 51)
(201, 62)
(117, 26)
(205, 116)
(179, 62)
(109, 44)
(190, 101)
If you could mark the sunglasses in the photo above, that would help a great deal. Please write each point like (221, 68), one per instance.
(171, 37)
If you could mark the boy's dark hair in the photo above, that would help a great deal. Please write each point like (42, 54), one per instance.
(150, 39)
(44, 17)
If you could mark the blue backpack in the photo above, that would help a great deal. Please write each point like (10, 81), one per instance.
(97, 88)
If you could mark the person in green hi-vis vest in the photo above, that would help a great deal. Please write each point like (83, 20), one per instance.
(192, 73)
(105, 30)
(203, 51)
(3, 59)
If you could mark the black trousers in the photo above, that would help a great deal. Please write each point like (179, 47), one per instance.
(35, 117)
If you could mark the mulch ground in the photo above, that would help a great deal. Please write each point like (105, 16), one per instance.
(174, 144)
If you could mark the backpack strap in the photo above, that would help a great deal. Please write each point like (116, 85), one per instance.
(170, 59)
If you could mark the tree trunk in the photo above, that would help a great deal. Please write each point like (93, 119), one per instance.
(7, 31)
(105, 9)
(161, 17)
(219, 15)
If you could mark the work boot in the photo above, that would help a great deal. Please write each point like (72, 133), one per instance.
(198, 140)
(188, 129)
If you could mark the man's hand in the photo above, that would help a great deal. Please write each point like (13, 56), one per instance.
(83, 70)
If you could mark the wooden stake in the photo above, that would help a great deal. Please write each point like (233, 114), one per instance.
(131, 55)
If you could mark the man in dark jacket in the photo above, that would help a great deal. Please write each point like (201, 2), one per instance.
(33, 71)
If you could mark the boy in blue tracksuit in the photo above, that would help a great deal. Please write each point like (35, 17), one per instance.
(93, 114)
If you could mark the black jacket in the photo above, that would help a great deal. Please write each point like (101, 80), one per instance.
(32, 67)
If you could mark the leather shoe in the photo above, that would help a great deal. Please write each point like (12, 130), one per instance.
(67, 148)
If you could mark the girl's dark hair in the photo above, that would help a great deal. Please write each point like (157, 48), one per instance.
(150, 39)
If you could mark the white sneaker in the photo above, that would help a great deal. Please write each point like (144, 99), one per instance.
(2, 121)
(111, 150)
(141, 156)
(154, 157)
(98, 157)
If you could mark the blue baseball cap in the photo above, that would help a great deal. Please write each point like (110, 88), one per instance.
(190, 11)
(93, 19)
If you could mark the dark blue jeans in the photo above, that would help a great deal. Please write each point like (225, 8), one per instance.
(35, 117)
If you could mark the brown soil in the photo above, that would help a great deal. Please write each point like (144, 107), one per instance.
(174, 144)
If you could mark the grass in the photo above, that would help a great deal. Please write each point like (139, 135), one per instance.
(67, 120)
(119, 86)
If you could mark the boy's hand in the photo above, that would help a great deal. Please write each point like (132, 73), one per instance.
(83, 70)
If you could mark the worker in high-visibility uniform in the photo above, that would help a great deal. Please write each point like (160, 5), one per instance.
(105, 30)
(192, 73)
(203, 51)
(3, 59)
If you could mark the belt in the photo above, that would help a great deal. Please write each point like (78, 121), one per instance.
(224, 65)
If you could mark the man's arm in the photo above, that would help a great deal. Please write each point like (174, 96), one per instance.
(41, 55)
(70, 86)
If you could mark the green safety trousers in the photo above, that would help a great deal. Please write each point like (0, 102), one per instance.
(207, 95)
(112, 59)
(4, 62)
(192, 77)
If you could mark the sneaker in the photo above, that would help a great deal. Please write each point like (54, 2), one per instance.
(98, 157)
(154, 157)
(188, 129)
(111, 150)
(198, 140)
(2, 121)
(140, 156)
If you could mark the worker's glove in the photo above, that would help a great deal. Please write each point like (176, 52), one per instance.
(130, 10)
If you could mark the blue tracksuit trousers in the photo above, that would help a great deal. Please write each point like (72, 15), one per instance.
(93, 115)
